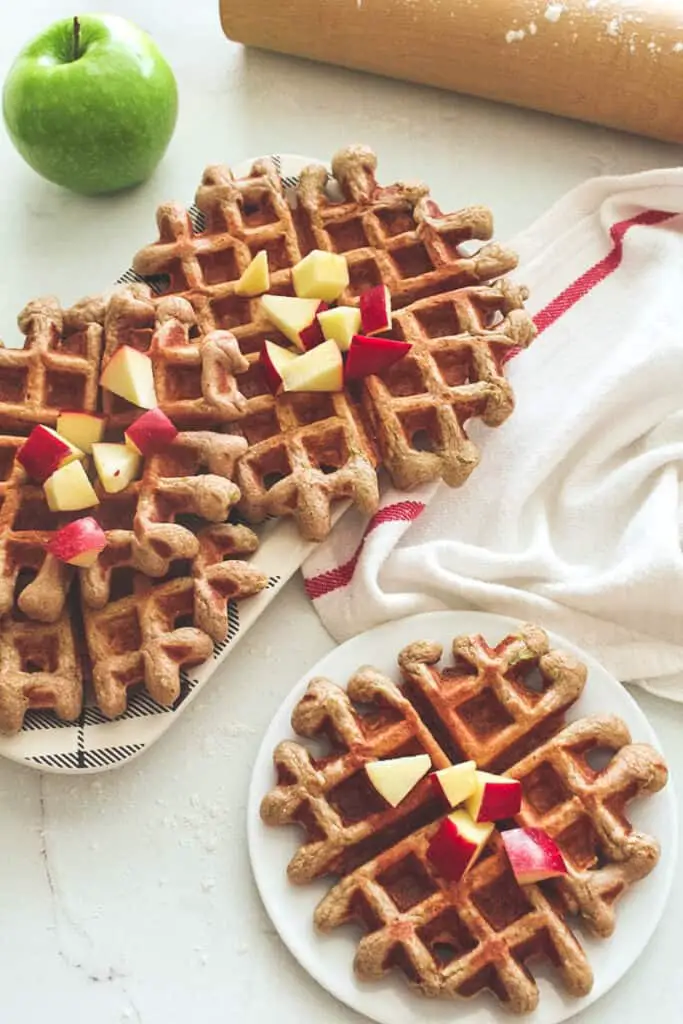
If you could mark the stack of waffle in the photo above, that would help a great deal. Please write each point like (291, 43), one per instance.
(503, 707)
(307, 451)
(156, 599)
(157, 596)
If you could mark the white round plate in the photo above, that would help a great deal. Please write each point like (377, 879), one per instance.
(329, 958)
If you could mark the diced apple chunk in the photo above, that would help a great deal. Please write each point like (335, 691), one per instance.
(372, 355)
(375, 309)
(256, 278)
(273, 359)
(44, 451)
(321, 369)
(456, 782)
(396, 777)
(81, 428)
(78, 543)
(321, 275)
(150, 433)
(129, 375)
(313, 334)
(291, 316)
(533, 854)
(456, 845)
(69, 490)
(117, 466)
(340, 325)
(495, 797)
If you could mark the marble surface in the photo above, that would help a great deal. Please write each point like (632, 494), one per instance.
(127, 896)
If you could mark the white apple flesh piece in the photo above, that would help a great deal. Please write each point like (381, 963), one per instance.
(321, 275)
(456, 845)
(340, 325)
(321, 369)
(129, 375)
(372, 355)
(78, 543)
(150, 433)
(494, 798)
(456, 782)
(83, 429)
(396, 777)
(117, 466)
(533, 854)
(256, 278)
(69, 490)
(291, 316)
(273, 359)
(44, 451)
(375, 310)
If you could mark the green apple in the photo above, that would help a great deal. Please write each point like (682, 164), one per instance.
(91, 104)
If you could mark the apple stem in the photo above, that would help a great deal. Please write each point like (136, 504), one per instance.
(77, 38)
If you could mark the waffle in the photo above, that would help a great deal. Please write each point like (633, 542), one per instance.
(168, 525)
(40, 668)
(419, 408)
(194, 377)
(146, 638)
(584, 809)
(148, 630)
(37, 581)
(493, 704)
(309, 451)
(58, 367)
(454, 940)
(460, 334)
(191, 478)
(344, 821)
(504, 707)
(221, 575)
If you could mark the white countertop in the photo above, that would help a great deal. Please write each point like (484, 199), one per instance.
(127, 896)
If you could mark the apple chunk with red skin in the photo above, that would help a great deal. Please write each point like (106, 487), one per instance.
(273, 359)
(372, 355)
(313, 335)
(69, 490)
(150, 433)
(129, 375)
(533, 854)
(495, 797)
(375, 310)
(396, 777)
(44, 451)
(292, 316)
(456, 845)
(78, 543)
(456, 782)
(81, 428)
(321, 369)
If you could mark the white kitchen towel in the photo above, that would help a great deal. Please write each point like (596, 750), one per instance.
(573, 518)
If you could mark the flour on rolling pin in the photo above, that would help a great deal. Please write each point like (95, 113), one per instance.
(613, 62)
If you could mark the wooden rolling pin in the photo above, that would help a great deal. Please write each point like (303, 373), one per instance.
(613, 62)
